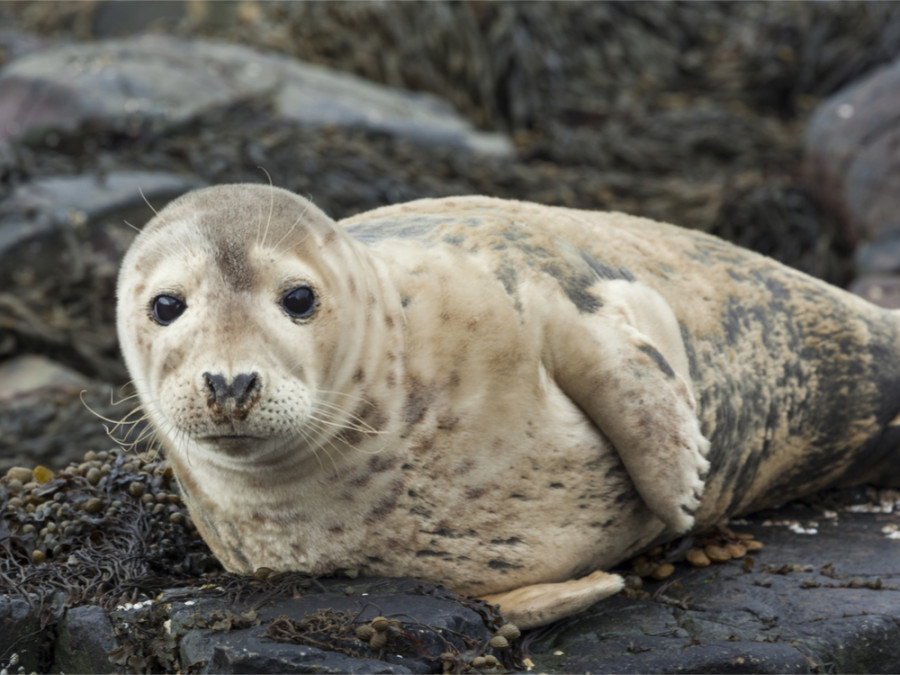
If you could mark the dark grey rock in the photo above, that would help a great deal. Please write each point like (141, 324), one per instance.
(43, 222)
(822, 601)
(155, 82)
(881, 289)
(852, 158)
(20, 643)
(84, 637)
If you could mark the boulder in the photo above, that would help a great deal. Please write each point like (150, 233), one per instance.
(853, 156)
(153, 82)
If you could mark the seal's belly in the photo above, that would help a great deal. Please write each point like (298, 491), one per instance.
(535, 501)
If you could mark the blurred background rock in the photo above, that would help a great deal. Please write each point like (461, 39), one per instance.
(692, 113)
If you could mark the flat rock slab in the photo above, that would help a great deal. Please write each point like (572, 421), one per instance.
(154, 82)
(187, 629)
(807, 603)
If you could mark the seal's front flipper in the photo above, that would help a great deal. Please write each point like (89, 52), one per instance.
(541, 604)
(625, 365)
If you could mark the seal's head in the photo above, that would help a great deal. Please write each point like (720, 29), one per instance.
(242, 310)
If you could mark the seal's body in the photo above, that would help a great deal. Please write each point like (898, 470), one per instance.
(497, 396)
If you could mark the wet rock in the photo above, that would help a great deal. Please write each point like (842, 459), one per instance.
(27, 375)
(880, 289)
(154, 82)
(20, 625)
(852, 155)
(804, 602)
(43, 223)
(84, 639)
(431, 621)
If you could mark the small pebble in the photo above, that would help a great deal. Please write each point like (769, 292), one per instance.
(697, 558)
(736, 550)
(716, 554)
(19, 473)
(510, 631)
(93, 505)
(136, 489)
(499, 642)
(365, 632)
(42, 475)
(93, 475)
(38, 556)
(663, 571)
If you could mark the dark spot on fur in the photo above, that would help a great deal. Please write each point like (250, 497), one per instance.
(417, 402)
(465, 466)
(361, 481)
(405, 300)
(447, 423)
(428, 553)
(239, 555)
(475, 493)
(359, 375)
(386, 505)
(420, 511)
(688, 510)
(407, 467)
(498, 564)
(453, 381)
(231, 259)
(389, 320)
(329, 237)
(377, 463)
(516, 495)
(335, 529)
(605, 271)
(556, 485)
(660, 360)
(423, 446)
(512, 541)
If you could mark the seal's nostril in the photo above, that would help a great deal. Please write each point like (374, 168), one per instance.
(245, 385)
(218, 390)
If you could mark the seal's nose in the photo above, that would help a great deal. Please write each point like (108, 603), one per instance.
(240, 390)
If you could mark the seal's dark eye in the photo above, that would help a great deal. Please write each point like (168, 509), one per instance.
(299, 302)
(166, 308)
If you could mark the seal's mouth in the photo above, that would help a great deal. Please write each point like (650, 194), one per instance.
(231, 441)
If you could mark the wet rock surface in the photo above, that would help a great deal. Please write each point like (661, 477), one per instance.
(805, 603)
(695, 114)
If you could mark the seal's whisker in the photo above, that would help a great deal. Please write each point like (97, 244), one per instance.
(332, 415)
(136, 229)
(147, 202)
(265, 235)
(302, 430)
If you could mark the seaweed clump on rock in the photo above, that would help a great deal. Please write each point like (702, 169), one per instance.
(108, 530)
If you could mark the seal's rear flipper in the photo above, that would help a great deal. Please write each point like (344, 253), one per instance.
(541, 604)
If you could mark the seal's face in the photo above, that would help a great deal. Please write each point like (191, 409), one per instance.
(229, 323)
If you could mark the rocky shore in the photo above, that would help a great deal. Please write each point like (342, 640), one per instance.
(771, 125)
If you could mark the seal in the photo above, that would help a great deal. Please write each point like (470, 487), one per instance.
(501, 397)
